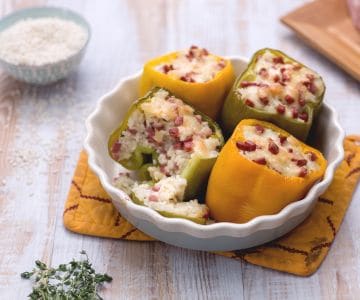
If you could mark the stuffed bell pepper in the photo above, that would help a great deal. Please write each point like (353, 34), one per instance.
(275, 88)
(195, 75)
(259, 171)
(172, 147)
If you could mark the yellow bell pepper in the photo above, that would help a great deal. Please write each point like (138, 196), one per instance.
(241, 189)
(207, 97)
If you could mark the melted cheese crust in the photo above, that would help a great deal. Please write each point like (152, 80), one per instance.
(193, 65)
(290, 159)
(170, 127)
(281, 87)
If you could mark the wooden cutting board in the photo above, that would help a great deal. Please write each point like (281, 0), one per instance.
(327, 27)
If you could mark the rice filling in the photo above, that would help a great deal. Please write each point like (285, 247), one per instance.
(281, 87)
(193, 65)
(171, 129)
(282, 154)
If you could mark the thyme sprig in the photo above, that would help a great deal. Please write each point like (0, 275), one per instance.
(74, 280)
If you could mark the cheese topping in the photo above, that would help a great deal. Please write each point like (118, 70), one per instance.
(167, 195)
(282, 154)
(172, 129)
(281, 87)
(193, 65)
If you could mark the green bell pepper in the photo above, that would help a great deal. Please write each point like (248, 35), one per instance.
(270, 75)
(146, 155)
(199, 220)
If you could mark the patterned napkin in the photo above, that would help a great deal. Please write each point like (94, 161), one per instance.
(89, 210)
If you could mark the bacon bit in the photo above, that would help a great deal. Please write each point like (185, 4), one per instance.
(260, 161)
(153, 198)
(248, 102)
(295, 113)
(190, 55)
(115, 147)
(245, 84)
(132, 131)
(259, 129)
(290, 150)
(178, 146)
(198, 118)
(222, 63)
(150, 131)
(162, 169)
(263, 73)
(179, 120)
(167, 68)
(187, 78)
(278, 60)
(246, 146)
(310, 76)
(301, 162)
(204, 52)
(155, 188)
(311, 155)
(303, 172)
(188, 139)
(264, 100)
(176, 167)
(285, 76)
(302, 101)
(273, 148)
(188, 146)
(206, 215)
(289, 99)
(280, 109)
(174, 132)
(276, 78)
(310, 86)
(282, 139)
(304, 116)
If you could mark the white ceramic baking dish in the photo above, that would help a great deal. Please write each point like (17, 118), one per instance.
(326, 135)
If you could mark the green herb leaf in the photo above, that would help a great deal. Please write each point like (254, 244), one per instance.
(74, 280)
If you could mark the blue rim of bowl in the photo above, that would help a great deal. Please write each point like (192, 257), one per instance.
(58, 12)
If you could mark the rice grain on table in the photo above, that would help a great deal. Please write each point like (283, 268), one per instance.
(41, 41)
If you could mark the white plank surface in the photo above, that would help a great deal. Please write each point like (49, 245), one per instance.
(42, 130)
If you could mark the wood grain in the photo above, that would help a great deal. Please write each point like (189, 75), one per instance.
(42, 131)
(327, 27)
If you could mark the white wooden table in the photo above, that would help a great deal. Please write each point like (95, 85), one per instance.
(42, 131)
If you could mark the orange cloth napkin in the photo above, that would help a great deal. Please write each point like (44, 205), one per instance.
(89, 210)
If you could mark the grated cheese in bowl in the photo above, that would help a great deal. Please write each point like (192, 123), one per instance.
(41, 45)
